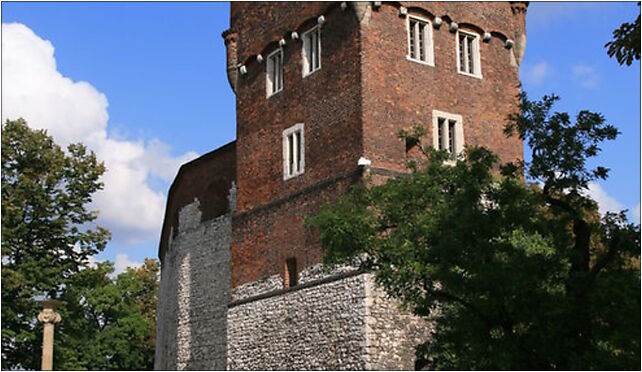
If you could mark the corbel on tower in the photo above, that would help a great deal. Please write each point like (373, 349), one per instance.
(230, 38)
(519, 9)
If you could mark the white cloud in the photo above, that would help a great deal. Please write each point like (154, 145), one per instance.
(605, 201)
(33, 88)
(585, 75)
(536, 73)
(122, 263)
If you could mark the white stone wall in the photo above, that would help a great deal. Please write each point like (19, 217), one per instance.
(392, 334)
(334, 319)
(320, 327)
(343, 324)
(194, 293)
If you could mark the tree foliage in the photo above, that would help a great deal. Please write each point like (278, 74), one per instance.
(516, 276)
(108, 324)
(47, 232)
(48, 236)
(625, 45)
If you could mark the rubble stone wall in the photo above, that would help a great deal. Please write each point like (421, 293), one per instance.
(194, 294)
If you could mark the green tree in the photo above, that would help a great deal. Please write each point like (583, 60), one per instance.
(516, 276)
(625, 45)
(109, 323)
(48, 233)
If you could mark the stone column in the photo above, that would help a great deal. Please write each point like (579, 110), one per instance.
(49, 317)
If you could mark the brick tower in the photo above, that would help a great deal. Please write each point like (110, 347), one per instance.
(322, 89)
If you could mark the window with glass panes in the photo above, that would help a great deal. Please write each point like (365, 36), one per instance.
(274, 80)
(448, 133)
(293, 151)
(311, 50)
(420, 40)
(468, 53)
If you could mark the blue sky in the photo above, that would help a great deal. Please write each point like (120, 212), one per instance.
(145, 85)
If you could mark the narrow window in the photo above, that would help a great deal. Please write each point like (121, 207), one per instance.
(274, 76)
(448, 133)
(462, 53)
(297, 144)
(420, 41)
(468, 54)
(451, 138)
(420, 38)
(291, 275)
(291, 154)
(311, 51)
(411, 37)
(440, 130)
(293, 151)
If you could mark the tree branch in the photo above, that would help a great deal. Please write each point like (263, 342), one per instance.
(470, 307)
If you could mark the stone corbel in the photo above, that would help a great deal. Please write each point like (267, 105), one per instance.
(230, 39)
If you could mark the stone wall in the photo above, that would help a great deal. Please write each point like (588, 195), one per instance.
(346, 323)
(392, 334)
(321, 327)
(194, 293)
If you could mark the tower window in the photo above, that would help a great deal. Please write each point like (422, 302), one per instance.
(311, 51)
(293, 151)
(468, 56)
(448, 133)
(420, 41)
(274, 80)
(291, 275)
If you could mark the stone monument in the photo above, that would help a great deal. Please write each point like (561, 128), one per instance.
(49, 317)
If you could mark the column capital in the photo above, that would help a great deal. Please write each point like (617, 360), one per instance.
(48, 313)
(48, 316)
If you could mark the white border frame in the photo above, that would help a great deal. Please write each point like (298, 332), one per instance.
(459, 132)
(476, 53)
(299, 127)
(429, 48)
(268, 82)
(303, 45)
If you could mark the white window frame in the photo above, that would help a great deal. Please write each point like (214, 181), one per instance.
(428, 42)
(477, 73)
(291, 131)
(307, 59)
(459, 133)
(269, 79)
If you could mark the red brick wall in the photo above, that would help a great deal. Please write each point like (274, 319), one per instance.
(355, 105)
(327, 102)
(398, 93)
(208, 179)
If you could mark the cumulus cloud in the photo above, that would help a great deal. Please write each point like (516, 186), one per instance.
(123, 262)
(536, 73)
(75, 111)
(605, 201)
(585, 75)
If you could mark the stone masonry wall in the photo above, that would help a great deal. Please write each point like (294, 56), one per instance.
(348, 323)
(392, 334)
(321, 327)
(194, 293)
